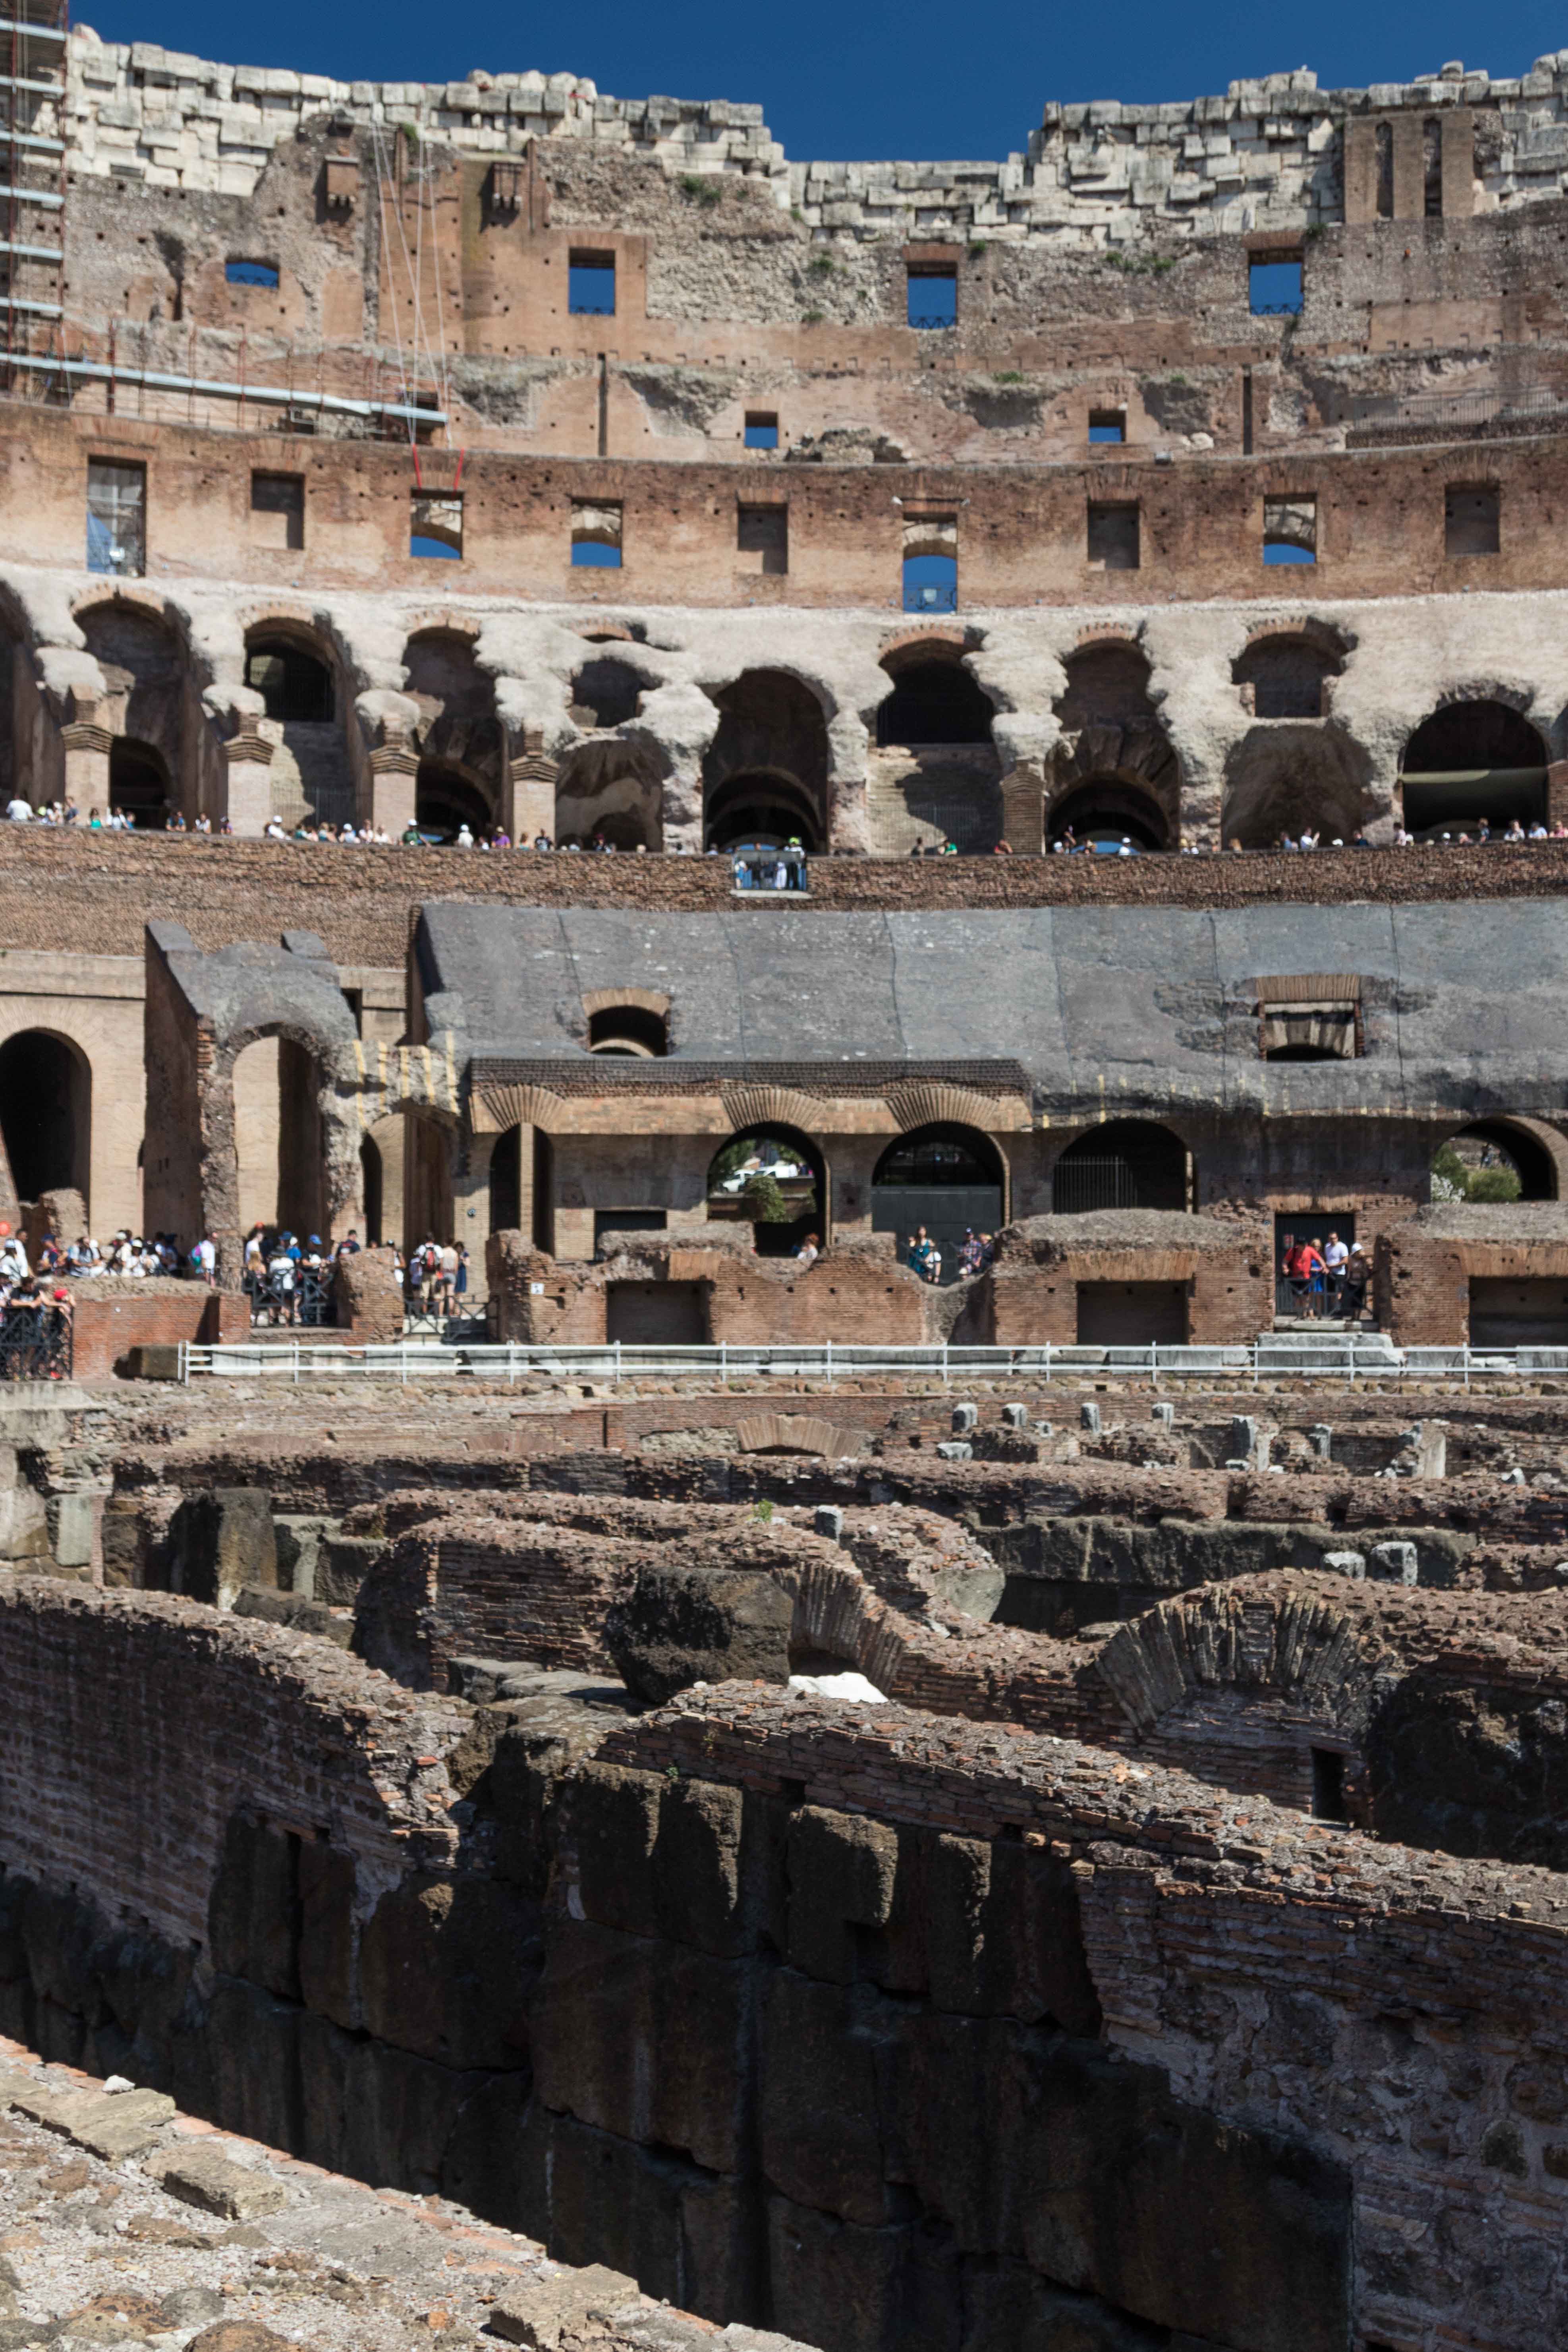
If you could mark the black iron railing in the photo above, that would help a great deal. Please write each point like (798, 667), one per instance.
(309, 1303)
(34, 1342)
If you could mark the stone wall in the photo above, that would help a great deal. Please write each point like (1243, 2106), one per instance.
(112, 1316)
(1267, 154)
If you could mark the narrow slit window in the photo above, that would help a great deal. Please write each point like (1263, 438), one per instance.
(116, 517)
(251, 273)
(931, 296)
(591, 285)
(1290, 530)
(762, 429)
(436, 526)
(277, 509)
(596, 535)
(761, 538)
(1108, 424)
(1274, 288)
(1114, 539)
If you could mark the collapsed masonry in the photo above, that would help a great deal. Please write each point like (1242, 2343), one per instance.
(873, 1892)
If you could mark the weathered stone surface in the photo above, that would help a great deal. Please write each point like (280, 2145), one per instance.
(682, 1626)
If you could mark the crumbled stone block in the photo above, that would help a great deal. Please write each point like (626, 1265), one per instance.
(965, 1417)
(1394, 1563)
(555, 2311)
(1089, 1417)
(955, 1449)
(212, 2182)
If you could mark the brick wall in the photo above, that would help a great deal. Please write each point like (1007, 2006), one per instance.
(938, 1888)
(59, 886)
(110, 1317)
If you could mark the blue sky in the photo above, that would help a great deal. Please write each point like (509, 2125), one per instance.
(867, 80)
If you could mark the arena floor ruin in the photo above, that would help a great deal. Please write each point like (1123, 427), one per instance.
(882, 1867)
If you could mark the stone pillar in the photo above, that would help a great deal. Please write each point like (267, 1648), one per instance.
(530, 806)
(392, 770)
(1024, 811)
(472, 1206)
(1458, 163)
(86, 748)
(1359, 170)
(1409, 167)
(248, 792)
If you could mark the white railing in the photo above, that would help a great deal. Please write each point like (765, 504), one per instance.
(1249, 1362)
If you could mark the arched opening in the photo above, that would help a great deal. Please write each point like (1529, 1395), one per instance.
(773, 1178)
(765, 775)
(1114, 772)
(291, 669)
(935, 776)
(1283, 782)
(1283, 675)
(933, 700)
(605, 693)
(138, 784)
(629, 1030)
(370, 1170)
(1107, 811)
(444, 801)
(458, 733)
(609, 792)
(947, 1177)
(45, 1115)
(1472, 761)
(769, 810)
(1128, 1163)
(146, 684)
(1494, 1159)
(294, 683)
(506, 1182)
(279, 1139)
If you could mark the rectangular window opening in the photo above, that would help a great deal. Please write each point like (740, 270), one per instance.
(1274, 288)
(762, 533)
(116, 517)
(1329, 1785)
(932, 295)
(1113, 537)
(251, 273)
(930, 562)
(596, 535)
(1290, 530)
(1472, 518)
(277, 509)
(591, 285)
(1108, 424)
(762, 429)
(436, 526)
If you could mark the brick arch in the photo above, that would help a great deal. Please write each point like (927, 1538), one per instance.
(935, 634)
(796, 1433)
(1290, 1643)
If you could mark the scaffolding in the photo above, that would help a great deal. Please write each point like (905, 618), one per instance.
(32, 182)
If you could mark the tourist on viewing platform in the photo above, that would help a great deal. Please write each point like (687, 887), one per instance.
(349, 1245)
(176, 823)
(273, 830)
(225, 825)
(1351, 1301)
(465, 838)
(924, 1256)
(204, 1261)
(94, 822)
(1515, 830)
(970, 1253)
(542, 841)
(19, 810)
(203, 824)
(461, 1285)
(281, 1281)
(809, 1251)
(82, 1255)
(1336, 1257)
(1002, 849)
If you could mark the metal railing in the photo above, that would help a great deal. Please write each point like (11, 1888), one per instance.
(309, 1304)
(1454, 408)
(1337, 1354)
(35, 1343)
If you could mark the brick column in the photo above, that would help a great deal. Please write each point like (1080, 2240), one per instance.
(529, 796)
(392, 770)
(248, 794)
(86, 749)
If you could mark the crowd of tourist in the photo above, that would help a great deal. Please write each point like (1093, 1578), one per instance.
(290, 1280)
(757, 867)
(1333, 1279)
